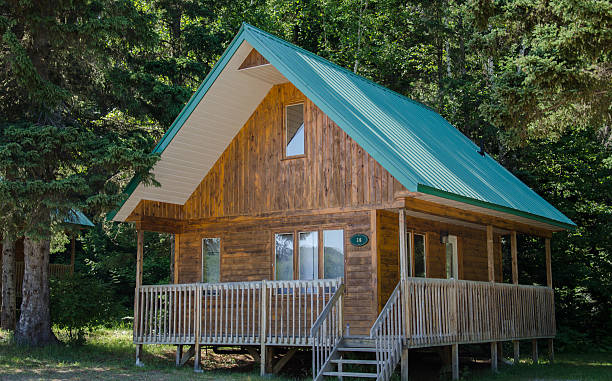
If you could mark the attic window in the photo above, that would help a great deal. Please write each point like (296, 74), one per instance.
(294, 130)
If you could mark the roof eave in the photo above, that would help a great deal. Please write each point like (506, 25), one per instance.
(500, 208)
(184, 114)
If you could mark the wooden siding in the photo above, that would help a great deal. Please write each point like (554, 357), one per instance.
(252, 177)
(387, 242)
(253, 59)
(247, 254)
(472, 251)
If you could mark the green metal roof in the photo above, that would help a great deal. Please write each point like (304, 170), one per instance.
(76, 217)
(422, 150)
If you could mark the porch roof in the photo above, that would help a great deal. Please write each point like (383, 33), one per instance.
(422, 150)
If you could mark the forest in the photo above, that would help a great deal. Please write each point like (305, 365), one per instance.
(87, 88)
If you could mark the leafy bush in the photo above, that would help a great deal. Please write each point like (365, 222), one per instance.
(79, 304)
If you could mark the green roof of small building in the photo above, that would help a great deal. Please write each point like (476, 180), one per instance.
(76, 217)
(422, 150)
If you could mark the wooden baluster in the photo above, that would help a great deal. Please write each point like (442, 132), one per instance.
(262, 328)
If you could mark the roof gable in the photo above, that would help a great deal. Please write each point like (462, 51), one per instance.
(416, 145)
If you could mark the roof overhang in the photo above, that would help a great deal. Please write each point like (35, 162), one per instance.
(206, 126)
(228, 97)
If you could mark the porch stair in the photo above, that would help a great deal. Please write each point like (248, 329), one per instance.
(354, 357)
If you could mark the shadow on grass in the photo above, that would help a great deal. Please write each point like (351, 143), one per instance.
(109, 354)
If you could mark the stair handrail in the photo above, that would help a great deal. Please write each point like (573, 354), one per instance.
(326, 332)
(388, 333)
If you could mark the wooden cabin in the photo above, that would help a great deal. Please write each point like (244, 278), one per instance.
(79, 221)
(314, 208)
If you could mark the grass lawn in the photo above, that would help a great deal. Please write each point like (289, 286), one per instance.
(567, 366)
(109, 355)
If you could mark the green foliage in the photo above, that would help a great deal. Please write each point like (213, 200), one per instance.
(88, 87)
(108, 254)
(574, 172)
(80, 303)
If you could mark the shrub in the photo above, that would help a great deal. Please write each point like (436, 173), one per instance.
(79, 304)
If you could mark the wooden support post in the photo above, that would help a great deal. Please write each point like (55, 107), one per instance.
(138, 355)
(283, 361)
(198, 357)
(534, 350)
(500, 351)
(494, 357)
(404, 271)
(491, 270)
(72, 252)
(179, 354)
(187, 355)
(548, 263)
(490, 254)
(253, 352)
(551, 351)
(404, 364)
(412, 271)
(139, 256)
(517, 353)
(455, 361)
(198, 331)
(262, 330)
(269, 359)
(514, 252)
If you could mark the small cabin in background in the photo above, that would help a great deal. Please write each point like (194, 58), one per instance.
(76, 219)
(314, 208)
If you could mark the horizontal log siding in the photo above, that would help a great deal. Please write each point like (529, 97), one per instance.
(247, 254)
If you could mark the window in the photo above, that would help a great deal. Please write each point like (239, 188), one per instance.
(313, 260)
(309, 255)
(294, 130)
(211, 259)
(284, 256)
(419, 254)
(451, 256)
(333, 254)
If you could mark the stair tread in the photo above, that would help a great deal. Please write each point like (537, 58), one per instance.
(357, 349)
(350, 374)
(362, 362)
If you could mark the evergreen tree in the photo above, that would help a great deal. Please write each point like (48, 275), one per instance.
(61, 146)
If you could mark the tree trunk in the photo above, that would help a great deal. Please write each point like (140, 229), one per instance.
(34, 326)
(9, 303)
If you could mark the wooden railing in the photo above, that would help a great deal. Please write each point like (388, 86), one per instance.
(237, 313)
(59, 271)
(388, 334)
(447, 311)
(55, 270)
(326, 333)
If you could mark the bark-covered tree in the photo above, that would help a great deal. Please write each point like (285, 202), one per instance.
(61, 145)
(9, 295)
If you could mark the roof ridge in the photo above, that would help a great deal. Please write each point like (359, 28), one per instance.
(347, 71)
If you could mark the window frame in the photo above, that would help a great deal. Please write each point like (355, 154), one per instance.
(296, 249)
(202, 259)
(410, 232)
(274, 234)
(284, 129)
(453, 240)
